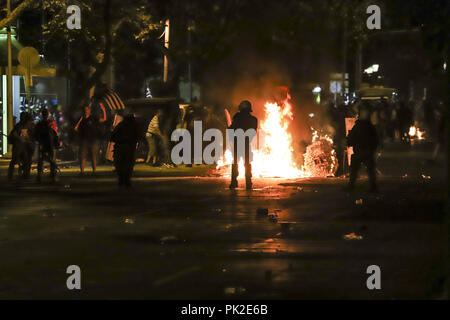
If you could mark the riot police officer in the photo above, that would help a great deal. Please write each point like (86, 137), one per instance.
(364, 140)
(47, 136)
(245, 121)
(21, 138)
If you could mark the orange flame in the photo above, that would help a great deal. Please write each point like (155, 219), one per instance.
(416, 133)
(275, 157)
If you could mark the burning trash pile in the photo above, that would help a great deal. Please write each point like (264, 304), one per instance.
(320, 157)
(415, 134)
(275, 156)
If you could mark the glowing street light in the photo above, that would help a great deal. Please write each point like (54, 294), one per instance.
(316, 91)
(373, 68)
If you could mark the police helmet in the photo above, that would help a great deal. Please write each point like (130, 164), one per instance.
(245, 106)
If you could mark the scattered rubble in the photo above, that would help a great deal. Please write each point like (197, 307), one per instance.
(352, 236)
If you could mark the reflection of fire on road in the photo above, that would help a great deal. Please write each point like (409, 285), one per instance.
(274, 158)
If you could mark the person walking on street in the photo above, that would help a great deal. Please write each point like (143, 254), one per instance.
(245, 121)
(125, 137)
(47, 138)
(87, 129)
(21, 138)
(364, 140)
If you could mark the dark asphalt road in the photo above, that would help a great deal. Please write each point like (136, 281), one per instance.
(191, 237)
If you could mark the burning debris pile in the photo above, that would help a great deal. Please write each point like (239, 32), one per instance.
(320, 157)
(275, 155)
(416, 134)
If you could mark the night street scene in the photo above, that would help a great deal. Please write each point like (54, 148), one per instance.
(224, 150)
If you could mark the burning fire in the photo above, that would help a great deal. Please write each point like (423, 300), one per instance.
(274, 158)
(416, 133)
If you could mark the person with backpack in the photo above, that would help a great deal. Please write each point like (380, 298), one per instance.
(21, 138)
(46, 135)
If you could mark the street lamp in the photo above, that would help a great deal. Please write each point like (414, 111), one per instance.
(316, 91)
(9, 77)
(373, 68)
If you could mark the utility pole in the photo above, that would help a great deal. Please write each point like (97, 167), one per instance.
(166, 44)
(344, 50)
(68, 83)
(9, 76)
(358, 69)
(189, 63)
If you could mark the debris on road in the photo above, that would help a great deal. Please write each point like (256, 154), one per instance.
(262, 211)
(425, 177)
(359, 202)
(129, 220)
(48, 214)
(234, 290)
(352, 236)
(273, 217)
(168, 239)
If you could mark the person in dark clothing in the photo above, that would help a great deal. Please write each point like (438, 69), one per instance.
(47, 137)
(125, 137)
(245, 121)
(88, 135)
(364, 140)
(337, 116)
(21, 138)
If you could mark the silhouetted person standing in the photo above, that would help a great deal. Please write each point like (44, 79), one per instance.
(337, 117)
(364, 140)
(125, 137)
(245, 121)
(88, 134)
(21, 138)
(47, 137)
(154, 137)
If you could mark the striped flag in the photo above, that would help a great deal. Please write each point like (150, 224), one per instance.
(112, 100)
(105, 103)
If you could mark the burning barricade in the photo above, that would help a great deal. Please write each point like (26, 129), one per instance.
(275, 156)
(320, 157)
